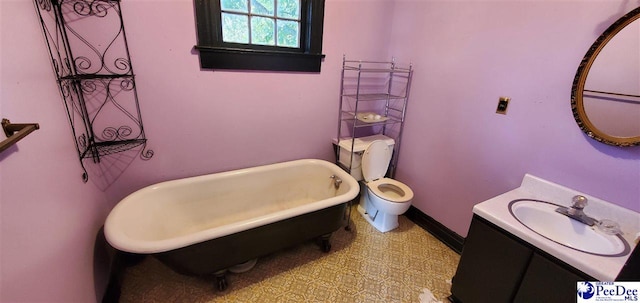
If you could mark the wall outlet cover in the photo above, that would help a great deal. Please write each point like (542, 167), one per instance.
(503, 103)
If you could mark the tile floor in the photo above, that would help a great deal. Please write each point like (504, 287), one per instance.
(364, 265)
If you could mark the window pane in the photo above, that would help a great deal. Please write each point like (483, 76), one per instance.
(262, 7)
(289, 9)
(234, 5)
(235, 28)
(288, 33)
(262, 31)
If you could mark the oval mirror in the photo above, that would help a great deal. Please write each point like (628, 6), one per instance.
(605, 97)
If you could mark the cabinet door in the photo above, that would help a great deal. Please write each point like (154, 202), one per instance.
(490, 267)
(547, 282)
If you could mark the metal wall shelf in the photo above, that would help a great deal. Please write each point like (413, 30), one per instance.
(90, 57)
(374, 67)
(348, 118)
(380, 87)
(94, 77)
(373, 97)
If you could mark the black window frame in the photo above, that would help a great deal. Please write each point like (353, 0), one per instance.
(217, 54)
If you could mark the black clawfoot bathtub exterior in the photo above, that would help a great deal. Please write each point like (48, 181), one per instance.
(203, 225)
(218, 254)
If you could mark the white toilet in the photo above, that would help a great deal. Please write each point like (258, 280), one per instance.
(382, 199)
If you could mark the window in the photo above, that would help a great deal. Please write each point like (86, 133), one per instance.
(261, 22)
(279, 35)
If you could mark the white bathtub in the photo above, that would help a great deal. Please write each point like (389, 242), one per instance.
(238, 207)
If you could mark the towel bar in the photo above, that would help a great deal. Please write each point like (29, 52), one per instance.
(15, 132)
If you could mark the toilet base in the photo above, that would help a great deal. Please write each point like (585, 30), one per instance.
(382, 222)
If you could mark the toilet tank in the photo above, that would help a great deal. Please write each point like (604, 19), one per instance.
(359, 146)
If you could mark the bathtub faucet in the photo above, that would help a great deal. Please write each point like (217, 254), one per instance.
(336, 181)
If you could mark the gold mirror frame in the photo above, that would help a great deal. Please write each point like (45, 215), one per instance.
(577, 90)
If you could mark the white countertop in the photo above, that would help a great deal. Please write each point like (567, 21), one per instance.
(603, 268)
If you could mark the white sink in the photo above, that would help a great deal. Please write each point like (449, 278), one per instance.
(541, 217)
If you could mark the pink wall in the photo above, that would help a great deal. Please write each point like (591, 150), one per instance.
(203, 121)
(457, 151)
(206, 121)
(197, 121)
(48, 218)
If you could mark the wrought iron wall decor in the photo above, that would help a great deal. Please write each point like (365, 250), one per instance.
(90, 57)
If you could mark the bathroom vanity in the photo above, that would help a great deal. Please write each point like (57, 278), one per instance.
(504, 260)
(498, 267)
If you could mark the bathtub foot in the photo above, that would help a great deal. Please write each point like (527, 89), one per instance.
(221, 280)
(325, 244)
(221, 283)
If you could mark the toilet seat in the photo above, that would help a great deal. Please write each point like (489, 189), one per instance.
(391, 190)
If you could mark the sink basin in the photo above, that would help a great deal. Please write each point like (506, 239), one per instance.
(541, 218)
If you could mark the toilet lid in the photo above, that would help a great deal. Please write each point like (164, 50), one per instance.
(375, 160)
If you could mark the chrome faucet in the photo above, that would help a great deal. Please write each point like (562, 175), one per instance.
(576, 211)
(336, 181)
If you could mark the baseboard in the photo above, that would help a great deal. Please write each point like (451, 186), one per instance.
(441, 232)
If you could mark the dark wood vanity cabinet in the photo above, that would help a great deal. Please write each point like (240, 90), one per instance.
(496, 266)
(491, 266)
(547, 281)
